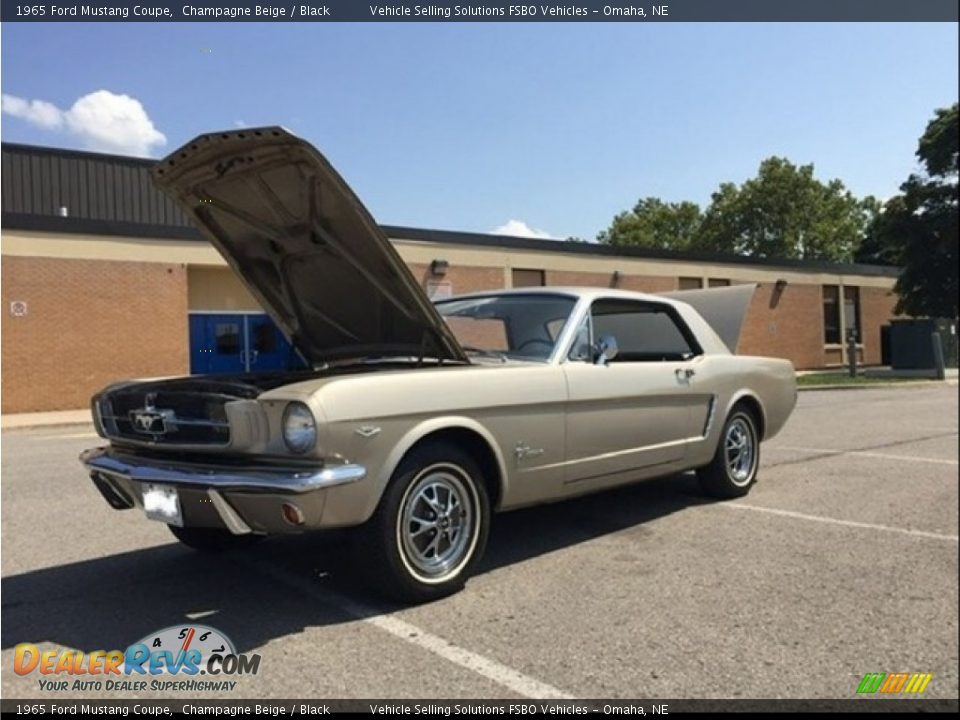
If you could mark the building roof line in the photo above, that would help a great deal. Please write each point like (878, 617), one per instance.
(85, 154)
(88, 226)
(456, 237)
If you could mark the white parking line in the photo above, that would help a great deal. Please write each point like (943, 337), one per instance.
(835, 521)
(74, 436)
(410, 633)
(863, 453)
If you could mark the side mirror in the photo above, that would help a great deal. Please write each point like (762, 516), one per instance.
(605, 350)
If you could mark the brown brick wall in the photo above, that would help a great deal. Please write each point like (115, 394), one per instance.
(787, 324)
(88, 323)
(462, 279)
(876, 310)
(637, 283)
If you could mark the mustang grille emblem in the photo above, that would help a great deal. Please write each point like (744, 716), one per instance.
(149, 419)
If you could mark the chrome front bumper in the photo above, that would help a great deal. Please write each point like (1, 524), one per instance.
(268, 479)
(240, 499)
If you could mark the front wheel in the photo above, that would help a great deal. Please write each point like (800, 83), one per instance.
(734, 466)
(431, 526)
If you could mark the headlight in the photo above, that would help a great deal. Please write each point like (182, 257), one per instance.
(299, 427)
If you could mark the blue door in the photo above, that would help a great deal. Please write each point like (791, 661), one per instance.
(238, 343)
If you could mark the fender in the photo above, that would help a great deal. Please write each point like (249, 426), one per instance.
(428, 427)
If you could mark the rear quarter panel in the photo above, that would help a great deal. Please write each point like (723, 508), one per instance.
(769, 382)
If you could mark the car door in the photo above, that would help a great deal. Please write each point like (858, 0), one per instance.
(634, 415)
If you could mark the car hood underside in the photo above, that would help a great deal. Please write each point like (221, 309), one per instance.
(305, 246)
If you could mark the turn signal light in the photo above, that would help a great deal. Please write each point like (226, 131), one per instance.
(292, 514)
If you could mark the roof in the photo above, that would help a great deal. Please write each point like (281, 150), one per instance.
(114, 195)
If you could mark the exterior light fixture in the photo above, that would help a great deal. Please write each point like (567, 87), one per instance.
(439, 267)
(780, 285)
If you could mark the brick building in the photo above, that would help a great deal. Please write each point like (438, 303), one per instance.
(103, 277)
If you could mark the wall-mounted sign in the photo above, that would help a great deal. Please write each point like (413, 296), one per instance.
(439, 289)
(18, 308)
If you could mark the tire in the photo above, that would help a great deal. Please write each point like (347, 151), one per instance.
(733, 470)
(417, 560)
(212, 540)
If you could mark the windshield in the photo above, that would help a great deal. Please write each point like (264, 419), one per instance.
(524, 327)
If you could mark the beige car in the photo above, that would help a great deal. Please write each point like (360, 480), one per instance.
(417, 420)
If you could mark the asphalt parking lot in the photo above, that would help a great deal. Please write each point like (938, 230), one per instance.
(842, 561)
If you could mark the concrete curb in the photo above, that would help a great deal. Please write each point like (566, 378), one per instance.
(881, 385)
(60, 418)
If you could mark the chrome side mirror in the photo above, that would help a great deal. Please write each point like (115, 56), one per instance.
(605, 350)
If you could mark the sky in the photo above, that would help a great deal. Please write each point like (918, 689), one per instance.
(530, 129)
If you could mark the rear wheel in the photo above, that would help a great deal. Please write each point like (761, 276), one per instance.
(734, 466)
(431, 526)
(212, 539)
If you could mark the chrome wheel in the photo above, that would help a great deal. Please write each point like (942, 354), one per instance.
(437, 523)
(740, 451)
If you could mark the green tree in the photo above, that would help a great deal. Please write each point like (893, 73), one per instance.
(785, 212)
(919, 229)
(654, 223)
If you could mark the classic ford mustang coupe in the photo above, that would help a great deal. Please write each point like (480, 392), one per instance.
(413, 421)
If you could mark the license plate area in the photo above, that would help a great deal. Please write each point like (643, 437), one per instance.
(162, 502)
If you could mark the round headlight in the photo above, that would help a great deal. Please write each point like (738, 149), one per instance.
(299, 427)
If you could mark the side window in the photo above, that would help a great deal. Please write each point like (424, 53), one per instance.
(645, 332)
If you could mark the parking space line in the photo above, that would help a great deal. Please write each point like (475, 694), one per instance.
(836, 521)
(408, 632)
(863, 453)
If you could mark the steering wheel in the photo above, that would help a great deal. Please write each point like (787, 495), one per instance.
(536, 341)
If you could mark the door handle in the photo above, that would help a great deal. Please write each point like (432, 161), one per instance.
(685, 373)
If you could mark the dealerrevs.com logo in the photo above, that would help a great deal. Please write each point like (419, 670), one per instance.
(178, 658)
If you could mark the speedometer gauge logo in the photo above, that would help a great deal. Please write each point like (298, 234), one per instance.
(183, 639)
(187, 650)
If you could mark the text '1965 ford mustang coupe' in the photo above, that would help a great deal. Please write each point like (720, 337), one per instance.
(414, 421)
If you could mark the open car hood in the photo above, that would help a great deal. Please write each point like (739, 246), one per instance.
(305, 246)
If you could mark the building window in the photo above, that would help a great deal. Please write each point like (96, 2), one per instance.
(690, 283)
(528, 278)
(718, 282)
(831, 314)
(227, 338)
(851, 310)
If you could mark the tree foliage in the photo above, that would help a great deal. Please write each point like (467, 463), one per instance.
(782, 212)
(918, 229)
(654, 223)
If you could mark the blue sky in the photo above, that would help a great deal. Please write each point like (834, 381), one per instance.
(469, 126)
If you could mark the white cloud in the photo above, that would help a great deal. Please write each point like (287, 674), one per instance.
(518, 228)
(36, 112)
(102, 120)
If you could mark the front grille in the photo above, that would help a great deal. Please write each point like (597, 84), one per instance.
(166, 417)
